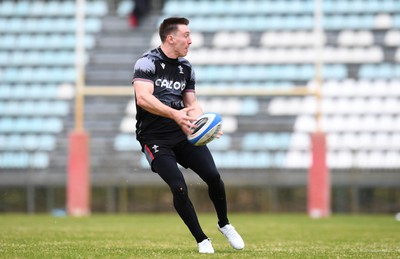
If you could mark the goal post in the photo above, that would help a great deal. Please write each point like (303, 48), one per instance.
(78, 167)
(318, 204)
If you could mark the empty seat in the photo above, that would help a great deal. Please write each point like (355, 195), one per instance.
(298, 159)
(288, 38)
(125, 8)
(355, 38)
(299, 141)
(235, 159)
(34, 125)
(231, 39)
(391, 160)
(39, 75)
(126, 142)
(96, 8)
(266, 141)
(39, 160)
(341, 159)
(382, 71)
(14, 160)
(128, 125)
(27, 142)
(383, 21)
(23, 160)
(7, 8)
(223, 143)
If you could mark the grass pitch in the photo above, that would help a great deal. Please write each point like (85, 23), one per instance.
(165, 236)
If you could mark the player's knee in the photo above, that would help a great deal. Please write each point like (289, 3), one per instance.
(214, 180)
(179, 190)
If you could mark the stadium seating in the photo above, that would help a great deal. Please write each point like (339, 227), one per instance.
(37, 66)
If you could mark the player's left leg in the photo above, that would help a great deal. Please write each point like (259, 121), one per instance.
(199, 159)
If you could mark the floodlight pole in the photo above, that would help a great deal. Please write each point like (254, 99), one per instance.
(78, 168)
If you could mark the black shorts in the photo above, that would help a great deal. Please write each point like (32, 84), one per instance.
(178, 149)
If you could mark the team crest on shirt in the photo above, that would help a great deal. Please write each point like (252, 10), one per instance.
(155, 148)
(162, 65)
(180, 69)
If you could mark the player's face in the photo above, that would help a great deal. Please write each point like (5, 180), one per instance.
(182, 40)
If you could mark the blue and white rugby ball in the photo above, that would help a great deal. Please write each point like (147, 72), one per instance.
(208, 126)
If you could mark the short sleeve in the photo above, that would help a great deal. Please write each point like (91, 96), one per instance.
(144, 70)
(191, 82)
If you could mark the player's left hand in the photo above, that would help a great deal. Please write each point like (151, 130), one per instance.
(220, 133)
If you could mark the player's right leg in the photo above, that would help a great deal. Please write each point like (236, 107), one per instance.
(200, 160)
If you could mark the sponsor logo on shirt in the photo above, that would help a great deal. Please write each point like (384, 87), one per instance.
(169, 84)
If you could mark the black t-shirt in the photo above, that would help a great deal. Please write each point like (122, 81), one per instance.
(171, 77)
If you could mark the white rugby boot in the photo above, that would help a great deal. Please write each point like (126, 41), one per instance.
(233, 236)
(205, 247)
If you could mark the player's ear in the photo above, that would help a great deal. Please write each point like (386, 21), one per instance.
(170, 38)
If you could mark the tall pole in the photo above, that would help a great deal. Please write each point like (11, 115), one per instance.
(318, 47)
(80, 64)
(318, 176)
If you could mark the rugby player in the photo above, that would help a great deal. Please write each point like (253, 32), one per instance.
(164, 85)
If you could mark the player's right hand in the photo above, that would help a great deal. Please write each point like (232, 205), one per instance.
(185, 121)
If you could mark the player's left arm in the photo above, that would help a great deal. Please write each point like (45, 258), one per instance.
(190, 101)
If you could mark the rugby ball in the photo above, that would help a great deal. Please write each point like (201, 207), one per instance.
(208, 126)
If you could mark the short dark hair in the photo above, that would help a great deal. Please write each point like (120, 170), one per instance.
(170, 25)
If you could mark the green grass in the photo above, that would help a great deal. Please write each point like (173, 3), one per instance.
(165, 236)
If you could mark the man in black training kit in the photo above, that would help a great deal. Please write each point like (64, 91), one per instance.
(164, 84)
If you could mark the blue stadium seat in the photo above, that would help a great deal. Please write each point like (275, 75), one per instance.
(40, 160)
(249, 106)
(125, 7)
(34, 125)
(22, 160)
(28, 142)
(5, 91)
(382, 71)
(126, 142)
(4, 58)
(7, 41)
(396, 21)
(11, 142)
(47, 142)
(14, 160)
(92, 25)
(96, 8)
(224, 143)
(251, 141)
(28, 92)
(278, 160)
(270, 141)
(38, 8)
(267, 72)
(7, 8)
(21, 8)
(68, 8)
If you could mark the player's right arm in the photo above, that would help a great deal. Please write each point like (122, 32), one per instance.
(146, 100)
